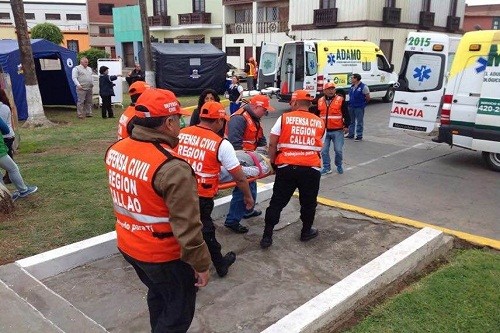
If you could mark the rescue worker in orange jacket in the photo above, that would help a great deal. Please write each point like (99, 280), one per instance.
(125, 124)
(245, 133)
(202, 147)
(294, 147)
(251, 69)
(334, 112)
(155, 202)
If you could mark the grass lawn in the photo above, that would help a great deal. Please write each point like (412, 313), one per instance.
(66, 162)
(462, 296)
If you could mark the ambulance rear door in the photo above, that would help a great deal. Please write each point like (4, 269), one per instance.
(310, 67)
(421, 82)
(268, 66)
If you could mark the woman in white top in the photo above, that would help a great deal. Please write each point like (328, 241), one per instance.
(6, 116)
(235, 94)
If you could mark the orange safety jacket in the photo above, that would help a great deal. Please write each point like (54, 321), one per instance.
(125, 118)
(199, 146)
(300, 141)
(251, 69)
(331, 112)
(253, 131)
(142, 225)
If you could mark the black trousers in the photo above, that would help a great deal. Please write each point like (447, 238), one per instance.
(208, 230)
(288, 179)
(106, 108)
(171, 294)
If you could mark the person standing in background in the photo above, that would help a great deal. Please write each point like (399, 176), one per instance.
(106, 91)
(251, 69)
(206, 95)
(235, 92)
(135, 75)
(82, 78)
(359, 95)
(9, 138)
(336, 117)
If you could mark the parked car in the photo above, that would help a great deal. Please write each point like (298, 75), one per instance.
(232, 71)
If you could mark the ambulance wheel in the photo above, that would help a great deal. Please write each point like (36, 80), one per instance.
(389, 95)
(492, 160)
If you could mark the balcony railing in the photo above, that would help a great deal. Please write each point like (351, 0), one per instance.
(195, 18)
(159, 20)
(325, 17)
(426, 20)
(272, 27)
(239, 28)
(391, 15)
(235, 2)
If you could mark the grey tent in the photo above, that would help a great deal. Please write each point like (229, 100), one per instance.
(188, 69)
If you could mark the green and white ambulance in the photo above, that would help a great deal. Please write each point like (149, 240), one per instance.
(470, 116)
(422, 80)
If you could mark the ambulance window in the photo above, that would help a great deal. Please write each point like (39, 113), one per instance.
(312, 63)
(268, 62)
(382, 63)
(424, 72)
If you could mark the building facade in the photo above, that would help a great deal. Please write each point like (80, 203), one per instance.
(69, 15)
(385, 22)
(482, 18)
(100, 20)
(194, 21)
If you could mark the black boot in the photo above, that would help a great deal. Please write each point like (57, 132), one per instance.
(221, 263)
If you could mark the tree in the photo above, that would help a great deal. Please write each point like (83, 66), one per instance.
(36, 115)
(93, 54)
(48, 31)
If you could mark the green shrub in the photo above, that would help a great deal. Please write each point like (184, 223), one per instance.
(93, 54)
(48, 31)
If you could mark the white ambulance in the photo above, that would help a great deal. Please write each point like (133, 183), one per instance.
(422, 80)
(309, 64)
(470, 117)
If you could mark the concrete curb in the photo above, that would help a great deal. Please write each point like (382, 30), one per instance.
(62, 259)
(331, 306)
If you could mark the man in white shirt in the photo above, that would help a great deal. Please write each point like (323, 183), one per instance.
(82, 78)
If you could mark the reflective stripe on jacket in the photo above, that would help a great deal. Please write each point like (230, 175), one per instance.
(300, 141)
(142, 218)
(125, 118)
(199, 146)
(331, 112)
(253, 130)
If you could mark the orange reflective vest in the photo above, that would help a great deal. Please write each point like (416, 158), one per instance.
(125, 118)
(251, 69)
(142, 226)
(199, 147)
(300, 141)
(331, 112)
(253, 131)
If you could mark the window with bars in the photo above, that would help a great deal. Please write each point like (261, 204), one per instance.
(232, 51)
(426, 5)
(243, 15)
(73, 45)
(267, 14)
(198, 6)
(325, 4)
(160, 7)
(52, 16)
(4, 16)
(29, 16)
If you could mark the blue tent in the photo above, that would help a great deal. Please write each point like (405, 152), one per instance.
(54, 79)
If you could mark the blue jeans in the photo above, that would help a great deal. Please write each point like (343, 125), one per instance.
(337, 137)
(237, 206)
(357, 115)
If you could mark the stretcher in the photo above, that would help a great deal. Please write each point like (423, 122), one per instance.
(255, 166)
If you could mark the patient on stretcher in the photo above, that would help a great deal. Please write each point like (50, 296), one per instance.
(254, 164)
